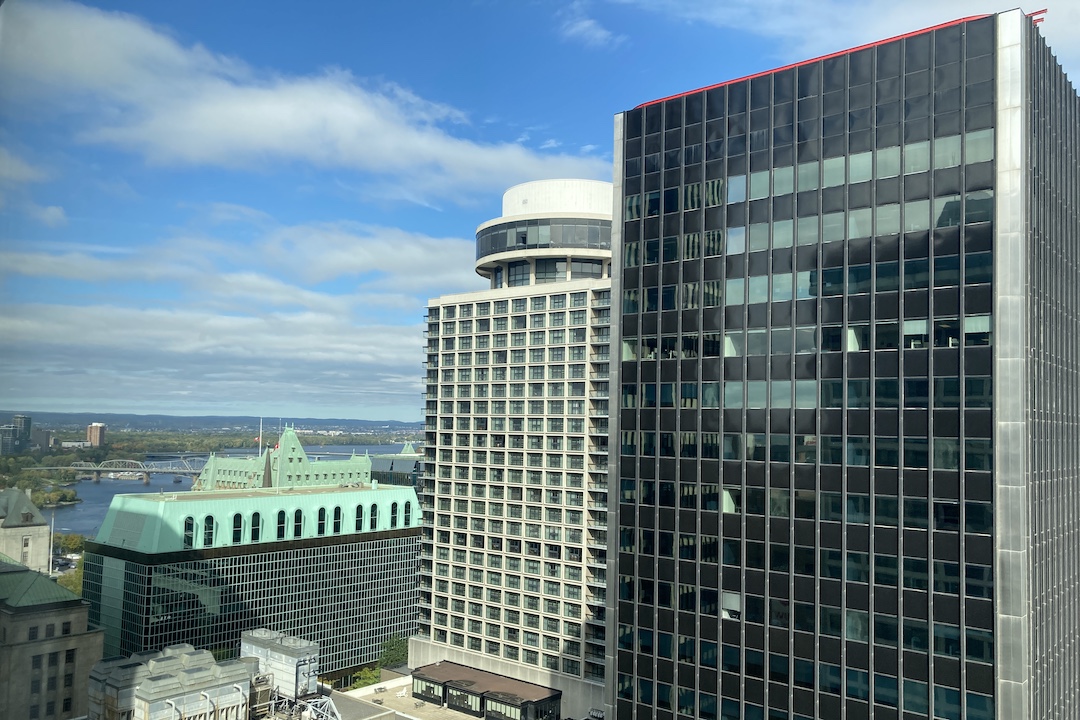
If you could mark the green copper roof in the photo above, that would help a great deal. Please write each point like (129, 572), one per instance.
(16, 510)
(172, 522)
(287, 465)
(22, 587)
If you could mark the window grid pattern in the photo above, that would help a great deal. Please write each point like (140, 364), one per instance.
(805, 405)
(348, 597)
(514, 556)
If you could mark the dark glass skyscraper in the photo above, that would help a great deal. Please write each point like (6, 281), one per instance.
(848, 439)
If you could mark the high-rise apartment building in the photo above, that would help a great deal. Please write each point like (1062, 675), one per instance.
(23, 425)
(848, 448)
(95, 434)
(514, 491)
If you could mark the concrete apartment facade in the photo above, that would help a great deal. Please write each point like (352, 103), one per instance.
(514, 491)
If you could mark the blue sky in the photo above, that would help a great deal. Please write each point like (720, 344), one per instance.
(241, 207)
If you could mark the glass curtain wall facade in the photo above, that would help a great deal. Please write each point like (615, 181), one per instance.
(346, 593)
(819, 499)
(514, 489)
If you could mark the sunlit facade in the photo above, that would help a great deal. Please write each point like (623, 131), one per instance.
(847, 454)
(514, 553)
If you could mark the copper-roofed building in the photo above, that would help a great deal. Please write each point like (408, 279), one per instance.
(314, 548)
(47, 647)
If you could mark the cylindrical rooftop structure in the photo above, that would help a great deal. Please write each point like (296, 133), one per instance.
(550, 230)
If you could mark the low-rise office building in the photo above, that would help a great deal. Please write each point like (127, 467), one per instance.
(47, 646)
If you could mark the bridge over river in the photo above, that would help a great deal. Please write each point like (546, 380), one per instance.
(191, 466)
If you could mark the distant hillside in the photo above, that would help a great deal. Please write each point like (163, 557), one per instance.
(119, 422)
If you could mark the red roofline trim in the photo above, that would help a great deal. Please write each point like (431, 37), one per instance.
(817, 59)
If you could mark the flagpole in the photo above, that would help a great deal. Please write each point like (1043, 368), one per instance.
(260, 437)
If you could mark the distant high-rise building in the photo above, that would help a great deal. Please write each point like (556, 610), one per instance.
(9, 440)
(95, 434)
(44, 439)
(22, 425)
(514, 553)
(849, 461)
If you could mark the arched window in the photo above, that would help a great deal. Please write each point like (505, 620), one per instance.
(374, 516)
(393, 515)
(408, 514)
(237, 528)
(321, 528)
(359, 518)
(298, 523)
(208, 531)
(337, 521)
(189, 533)
(256, 526)
(281, 525)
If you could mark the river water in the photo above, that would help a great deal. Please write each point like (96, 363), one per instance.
(85, 518)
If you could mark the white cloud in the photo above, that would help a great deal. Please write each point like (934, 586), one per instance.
(576, 25)
(135, 87)
(52, 215)
(248, 263)
(550, 143)
(808, 28)
(16, 171)
(320, 252)
(300, 363)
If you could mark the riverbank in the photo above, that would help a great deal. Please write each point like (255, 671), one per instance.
(67, 503)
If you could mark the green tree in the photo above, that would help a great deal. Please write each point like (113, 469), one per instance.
(68, 543)
(73, 580)
(366, 676)
(395, 652)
